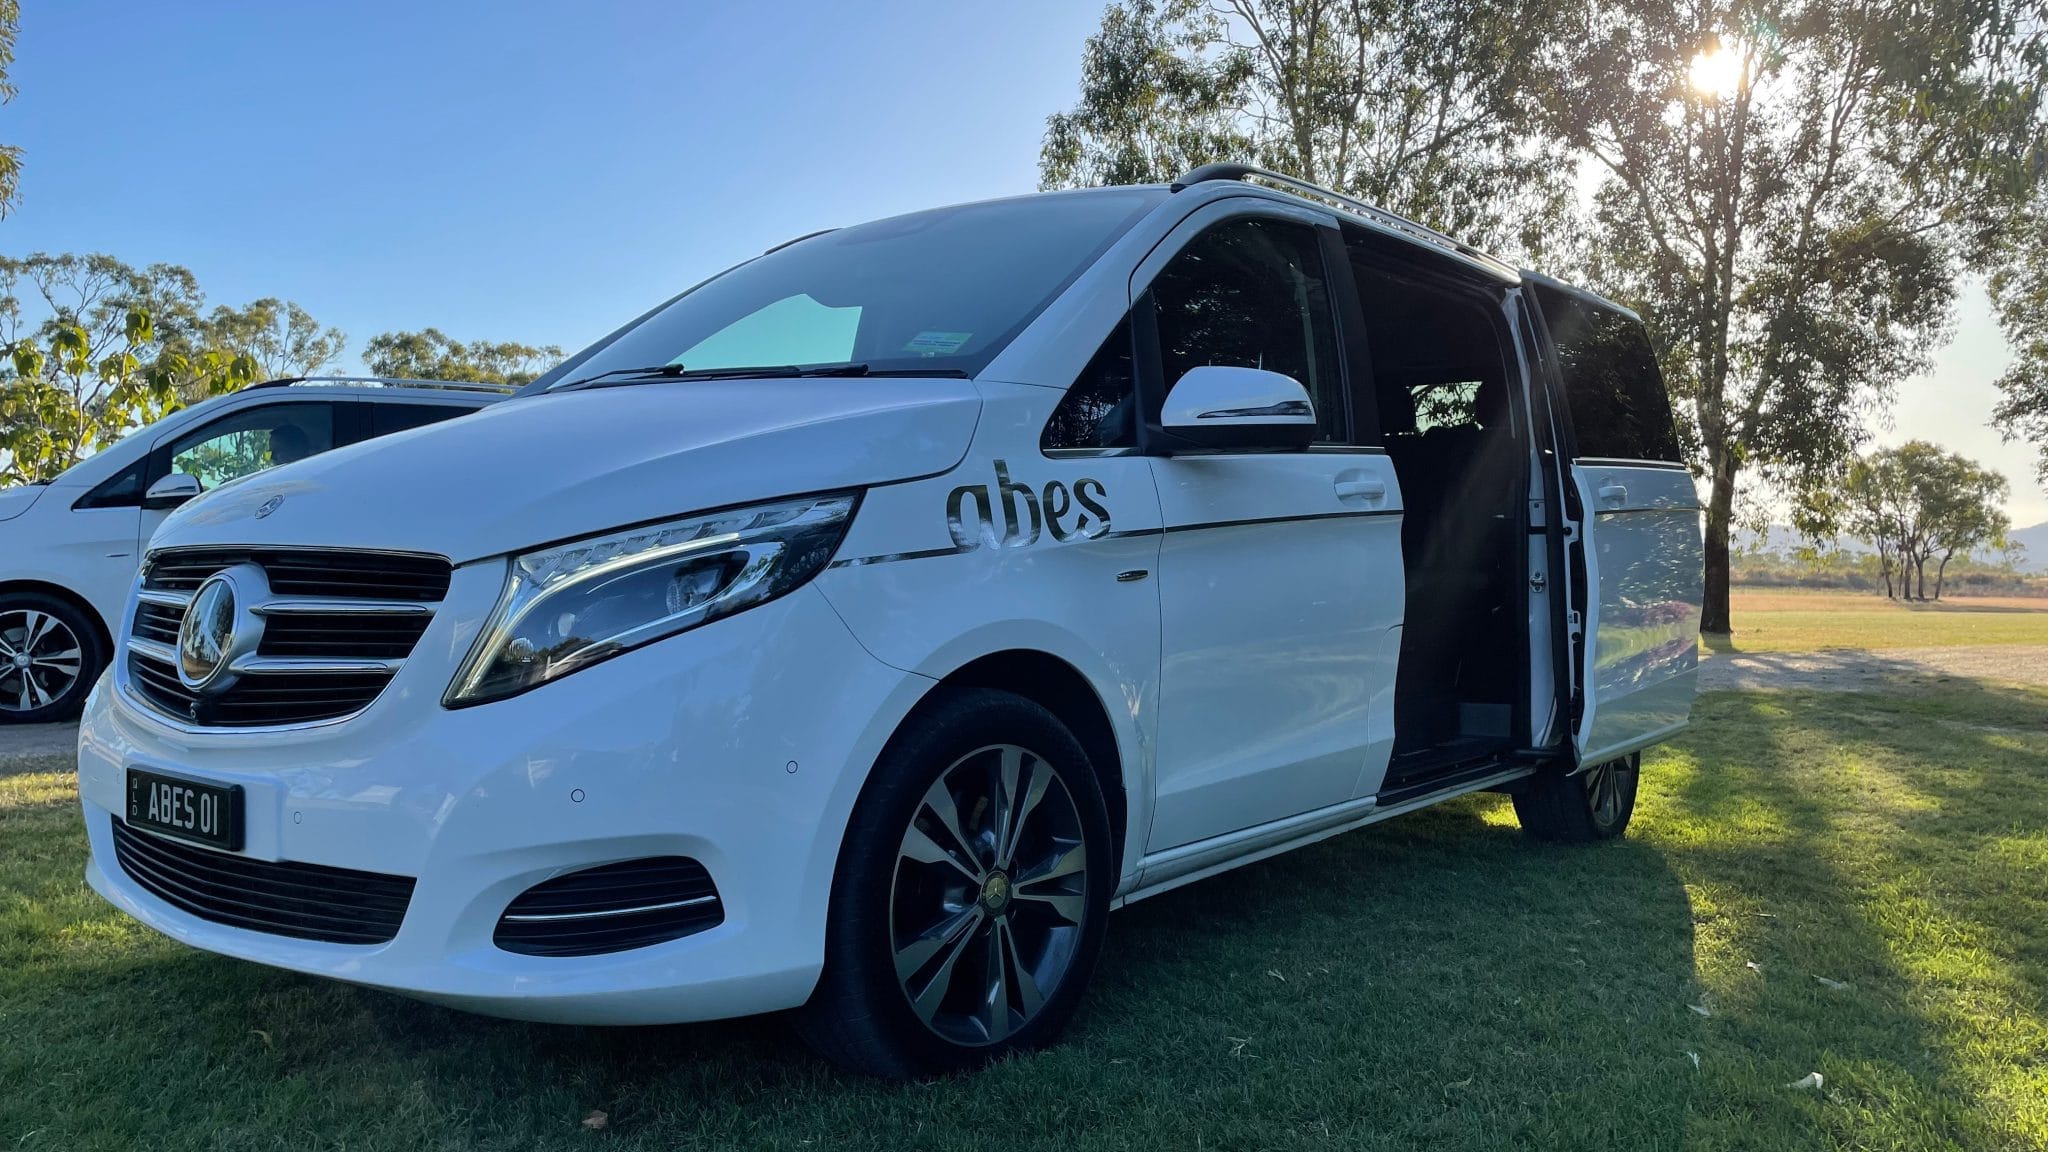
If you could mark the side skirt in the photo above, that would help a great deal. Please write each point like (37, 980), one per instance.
(1167, 870)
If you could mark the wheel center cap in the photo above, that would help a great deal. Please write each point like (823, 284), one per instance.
(21, 659)
(995, 892)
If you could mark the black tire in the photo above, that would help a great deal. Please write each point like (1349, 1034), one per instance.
(862, 1016)
(50, 655)
(1592, 805)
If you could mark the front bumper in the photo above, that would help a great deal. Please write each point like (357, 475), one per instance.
(742, 744)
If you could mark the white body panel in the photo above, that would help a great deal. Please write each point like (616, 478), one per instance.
(1237, 618)
(1280, 581)
(1643, 555)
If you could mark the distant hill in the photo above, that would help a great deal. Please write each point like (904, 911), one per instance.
(1780, 538)
(2035, 540)
(1783, 539)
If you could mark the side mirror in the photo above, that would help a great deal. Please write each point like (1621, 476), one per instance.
(171, 491)
(1219, 408)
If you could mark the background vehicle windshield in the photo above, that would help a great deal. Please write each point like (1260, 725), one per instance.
(942, 290)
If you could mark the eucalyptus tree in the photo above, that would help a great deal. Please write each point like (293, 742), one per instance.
(10, 154)
(92, 348)
(430, 354)
(1918, 503)
(1431, 108)
(1789, 192)
(279, 336)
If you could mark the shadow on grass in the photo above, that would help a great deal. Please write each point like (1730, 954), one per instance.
(1855, 917)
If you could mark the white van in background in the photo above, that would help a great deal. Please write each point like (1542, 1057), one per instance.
(69, 549)
(856, 630)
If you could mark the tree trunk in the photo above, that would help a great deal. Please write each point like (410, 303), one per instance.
(1720, 512)
(1884, 568)
(1941, 573)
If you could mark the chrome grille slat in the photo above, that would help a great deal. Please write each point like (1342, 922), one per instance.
(165, 599)
(311, 665)
(337, 627)
(316, 606)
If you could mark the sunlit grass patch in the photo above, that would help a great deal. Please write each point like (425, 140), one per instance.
(1787, 620)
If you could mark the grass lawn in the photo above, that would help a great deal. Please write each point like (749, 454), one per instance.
(1795, 620)
(1434, 982)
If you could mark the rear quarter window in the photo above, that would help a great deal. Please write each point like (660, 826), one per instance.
(386, 418)
(1612, 387)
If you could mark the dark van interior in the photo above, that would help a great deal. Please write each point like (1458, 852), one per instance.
(1440, 371)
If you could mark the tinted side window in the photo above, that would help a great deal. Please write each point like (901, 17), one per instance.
(1252, 293)
(1611, 383)
(251, 440)
(388, 418)
(121, 490)
(1100, 410)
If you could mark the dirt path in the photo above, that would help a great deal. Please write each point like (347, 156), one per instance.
(1884, 670)
(36, 741)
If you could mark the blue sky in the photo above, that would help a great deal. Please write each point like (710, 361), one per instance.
(527, 171)
(543, 172)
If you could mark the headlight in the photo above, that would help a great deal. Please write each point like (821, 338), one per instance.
(575, 604)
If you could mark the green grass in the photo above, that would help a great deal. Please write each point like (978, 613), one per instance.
(1791, 620)
(1432, 982)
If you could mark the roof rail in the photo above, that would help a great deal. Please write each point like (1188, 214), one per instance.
(388, 382)
(1378, 215)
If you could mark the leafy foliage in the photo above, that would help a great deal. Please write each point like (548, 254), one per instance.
(1917, 503)
(281, 337)
(1788, 193)
(429, 354)
(10, 155)
(1424, 107)
(110, 348)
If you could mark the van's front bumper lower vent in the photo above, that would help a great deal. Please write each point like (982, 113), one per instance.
(307, 901)
(612, 908)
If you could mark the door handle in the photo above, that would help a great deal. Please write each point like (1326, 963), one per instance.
(1614, 494)
(1371, 491)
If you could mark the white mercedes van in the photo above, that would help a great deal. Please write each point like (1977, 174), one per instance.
(69, 549)
(856, 630)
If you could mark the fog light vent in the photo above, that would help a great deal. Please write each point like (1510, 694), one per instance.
(612, 908)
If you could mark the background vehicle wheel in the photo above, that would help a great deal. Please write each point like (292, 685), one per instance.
(49, 657)
(968, 906)
(1594, 805)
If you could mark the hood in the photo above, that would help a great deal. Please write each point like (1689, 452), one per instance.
(541, 469)
(15, 501)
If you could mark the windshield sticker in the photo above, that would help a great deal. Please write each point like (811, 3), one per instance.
(937, 343)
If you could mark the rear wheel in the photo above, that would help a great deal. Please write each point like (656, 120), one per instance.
(49, 657)
(971, 893)
(1595, 804)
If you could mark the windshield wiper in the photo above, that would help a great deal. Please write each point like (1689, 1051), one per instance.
(621, 377)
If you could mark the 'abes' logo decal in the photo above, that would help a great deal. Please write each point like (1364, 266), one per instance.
(1079, 514)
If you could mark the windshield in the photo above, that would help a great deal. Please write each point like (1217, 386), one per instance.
(938, 292)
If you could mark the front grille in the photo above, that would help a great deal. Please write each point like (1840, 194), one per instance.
(335, 629)
(361, 575)
(158, 622)
(388, 638)
(612, 908)
(307, 901)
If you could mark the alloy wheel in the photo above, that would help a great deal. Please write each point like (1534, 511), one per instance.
(40, 660)
(989, 895)
(1603, 790)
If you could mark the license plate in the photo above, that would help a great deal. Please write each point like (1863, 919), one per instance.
(209, 814)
